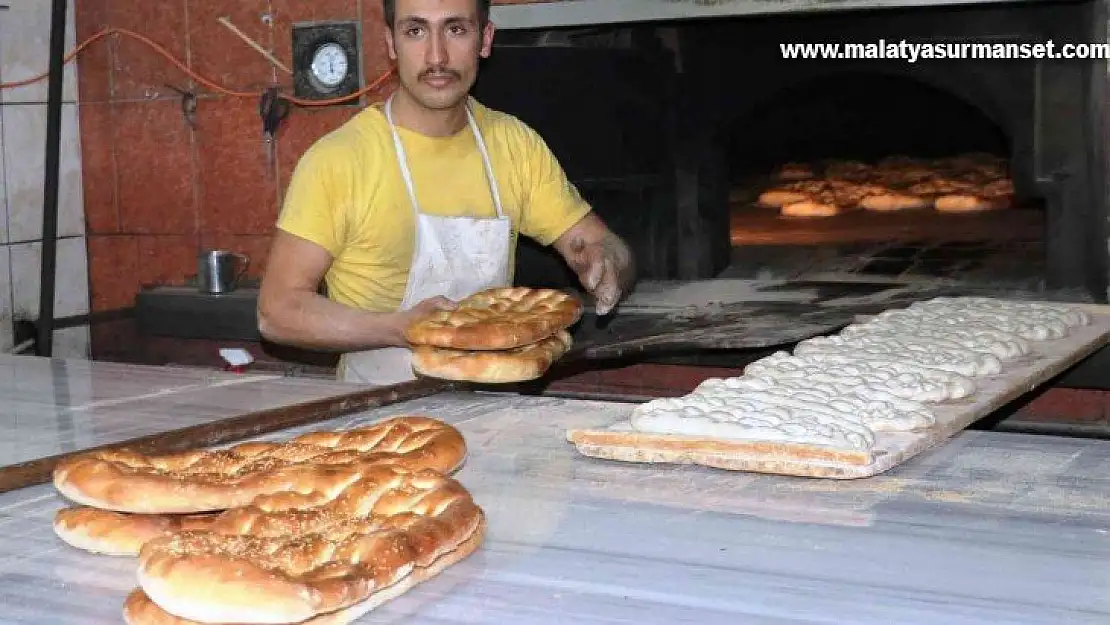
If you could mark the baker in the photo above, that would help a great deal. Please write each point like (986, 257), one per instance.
(418, 202)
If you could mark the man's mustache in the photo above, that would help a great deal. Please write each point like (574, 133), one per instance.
(438, 72)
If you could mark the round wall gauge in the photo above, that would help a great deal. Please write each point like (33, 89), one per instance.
(327, 61)
(330, 65)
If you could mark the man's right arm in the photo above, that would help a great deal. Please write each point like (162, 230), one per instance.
(292, 312)
(310, 233)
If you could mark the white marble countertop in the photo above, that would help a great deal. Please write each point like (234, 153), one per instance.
(990, 528)
(52, 406)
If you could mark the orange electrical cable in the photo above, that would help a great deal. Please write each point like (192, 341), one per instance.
(195, 76)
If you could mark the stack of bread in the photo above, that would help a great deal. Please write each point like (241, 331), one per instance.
(965, 183)
(496, 336)
(319, 529)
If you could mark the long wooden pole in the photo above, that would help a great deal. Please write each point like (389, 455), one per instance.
(244, 426)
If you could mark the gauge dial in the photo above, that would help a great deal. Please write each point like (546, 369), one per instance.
(330, 65)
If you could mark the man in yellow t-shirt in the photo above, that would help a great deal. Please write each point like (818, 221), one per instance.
(418, 202)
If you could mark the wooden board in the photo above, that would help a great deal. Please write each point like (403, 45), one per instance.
(237, 428)
(1047, 360)
(743, 325)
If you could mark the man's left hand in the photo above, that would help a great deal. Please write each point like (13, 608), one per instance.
(605, 269)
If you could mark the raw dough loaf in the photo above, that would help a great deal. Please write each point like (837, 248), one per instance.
(293, 556)
(976, 337)
(876, 408)
(836, 392)
(901, 379)
(921, 351)
(718, 413)
(491, 367)
(497, 319)
(204, 481)
(1034, 321)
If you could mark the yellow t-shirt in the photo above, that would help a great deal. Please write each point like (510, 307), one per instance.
(347, 195)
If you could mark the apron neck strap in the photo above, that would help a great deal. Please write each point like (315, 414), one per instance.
(406, 173)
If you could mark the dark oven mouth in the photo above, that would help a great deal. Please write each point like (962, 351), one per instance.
(1018, 141)
(880, 172)
(674, 130)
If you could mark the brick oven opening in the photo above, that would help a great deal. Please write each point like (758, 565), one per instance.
(672, 129)
(892, 135)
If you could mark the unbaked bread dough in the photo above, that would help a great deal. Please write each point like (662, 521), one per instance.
(879, 376)
(1035, 321)
(973, 336)
(922, 351)
(901, 379)
(873, 407)
(753, 416)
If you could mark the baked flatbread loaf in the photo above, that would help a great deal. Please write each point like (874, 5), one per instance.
(792, 192)
(812, 208)
(993, 196)
(491, 367)
(849, 171)
(892, 201)
(497, 319)
(292, 556)
(964, 183)
(794, 171)
(901, 178)
(205, 481)
(138, 609)
(931, 189)
(838, 197)
(900, 162)
(117, 533)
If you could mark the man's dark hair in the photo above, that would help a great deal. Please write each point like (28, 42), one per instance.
(389, 10)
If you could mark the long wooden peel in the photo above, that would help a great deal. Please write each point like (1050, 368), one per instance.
(236, 428)
(731, 326)
(746, 325)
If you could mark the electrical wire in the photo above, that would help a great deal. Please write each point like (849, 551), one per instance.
(194, 75)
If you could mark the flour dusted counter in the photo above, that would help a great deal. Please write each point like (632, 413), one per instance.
(988, 528)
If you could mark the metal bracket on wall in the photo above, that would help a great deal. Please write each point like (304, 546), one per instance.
(1048, 181)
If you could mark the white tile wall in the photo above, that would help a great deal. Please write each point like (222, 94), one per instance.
(24, 46)
(3, 180)
(25, 49)
(5, 300)
(71, 288)
(24, 158)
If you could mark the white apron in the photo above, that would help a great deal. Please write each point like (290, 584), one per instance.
(452, 257)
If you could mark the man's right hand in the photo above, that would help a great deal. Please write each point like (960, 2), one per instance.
(431, 305)
(426, 307)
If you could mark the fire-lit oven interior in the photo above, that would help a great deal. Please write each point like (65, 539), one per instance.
(985, 171)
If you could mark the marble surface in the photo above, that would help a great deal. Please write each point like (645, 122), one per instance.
(52, 406)
(991, 528)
